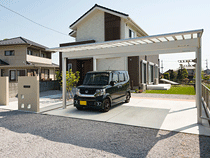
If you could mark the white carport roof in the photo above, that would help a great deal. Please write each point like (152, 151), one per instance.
(187, 41)
(147, 45)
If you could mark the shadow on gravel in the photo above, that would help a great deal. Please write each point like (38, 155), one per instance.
(126, 141)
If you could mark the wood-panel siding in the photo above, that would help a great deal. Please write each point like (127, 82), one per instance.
(112, 27)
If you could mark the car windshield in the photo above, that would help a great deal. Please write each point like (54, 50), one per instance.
(96, 79)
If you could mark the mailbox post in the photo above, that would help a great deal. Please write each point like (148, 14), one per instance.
(28, 93)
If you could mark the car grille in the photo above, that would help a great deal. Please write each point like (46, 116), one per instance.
(88, 91)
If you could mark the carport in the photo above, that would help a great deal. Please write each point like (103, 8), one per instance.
(178, 42)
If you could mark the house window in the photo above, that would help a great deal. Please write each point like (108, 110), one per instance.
(46, 74)
(12, 75)
(144, 73)
(21, 72)
(151, 73)
(43, 55)
(131, 34)
(2, 72)
(70, 66)
(30, 52)
(9, 53)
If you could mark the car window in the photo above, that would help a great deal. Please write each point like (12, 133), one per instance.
(121, 77)
(115, 77)
(96, 79)
(126, 76)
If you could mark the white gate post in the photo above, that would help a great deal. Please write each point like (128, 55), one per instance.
(64, 81)
(198, 80)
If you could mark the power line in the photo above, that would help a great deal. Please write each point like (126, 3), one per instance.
(32, 20)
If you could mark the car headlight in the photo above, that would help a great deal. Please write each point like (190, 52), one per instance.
(78, 91)
(100, 92)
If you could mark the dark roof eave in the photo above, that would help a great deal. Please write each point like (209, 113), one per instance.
(2, 63)
(14, 44)
(70, 33)
(20, 41)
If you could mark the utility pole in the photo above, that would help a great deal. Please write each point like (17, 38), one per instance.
(162, 66)
(206, 64)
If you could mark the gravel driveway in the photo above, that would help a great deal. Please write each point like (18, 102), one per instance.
(35, 135)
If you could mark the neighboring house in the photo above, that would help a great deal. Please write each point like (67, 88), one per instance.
(207, 72)
(22, 57)
(191, 72)
(101, 24)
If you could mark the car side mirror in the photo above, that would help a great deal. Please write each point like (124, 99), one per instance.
(112, 83)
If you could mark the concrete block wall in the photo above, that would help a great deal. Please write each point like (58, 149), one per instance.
(49, 85)
(43, 86)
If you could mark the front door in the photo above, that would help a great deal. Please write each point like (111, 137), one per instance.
(133, 70)
(84, 66)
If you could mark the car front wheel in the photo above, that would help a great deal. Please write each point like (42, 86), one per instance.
(107, 105)
(127, 98)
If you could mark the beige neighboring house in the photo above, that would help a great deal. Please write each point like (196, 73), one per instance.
(22, 57)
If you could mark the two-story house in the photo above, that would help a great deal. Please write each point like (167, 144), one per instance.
(22, 57)
(100, 24)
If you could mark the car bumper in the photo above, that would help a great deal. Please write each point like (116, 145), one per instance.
(96, 102)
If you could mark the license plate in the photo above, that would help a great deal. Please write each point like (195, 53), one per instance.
(83, 103)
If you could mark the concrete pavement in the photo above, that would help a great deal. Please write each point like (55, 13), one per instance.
(172, 115)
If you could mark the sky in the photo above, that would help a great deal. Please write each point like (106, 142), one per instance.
(153, 16)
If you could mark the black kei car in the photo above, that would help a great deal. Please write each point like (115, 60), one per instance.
(103, 89)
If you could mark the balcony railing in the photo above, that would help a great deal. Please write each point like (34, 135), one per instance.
(31, 58)
(205, 101)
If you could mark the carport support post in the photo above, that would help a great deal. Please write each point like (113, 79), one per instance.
(94, 63)
(64, 81)
(198, 80)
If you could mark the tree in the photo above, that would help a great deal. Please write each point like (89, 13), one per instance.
(167, 76)
(71, 80)
(206, 77)
(182, 74)
(202, 75)
(173, 75)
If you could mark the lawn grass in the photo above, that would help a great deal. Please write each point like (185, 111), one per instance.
(178, 89)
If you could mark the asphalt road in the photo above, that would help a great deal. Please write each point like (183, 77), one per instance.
(35, 135)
